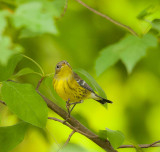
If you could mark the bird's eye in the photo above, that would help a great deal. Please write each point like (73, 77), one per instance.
(58, 66)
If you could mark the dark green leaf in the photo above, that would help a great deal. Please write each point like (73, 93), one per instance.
(115, 137)
(156, 24)
(130, 50)
(7, 70)
(25, 102)
(11, 136)
(90, 81)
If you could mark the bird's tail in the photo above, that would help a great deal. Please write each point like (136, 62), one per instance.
(100, 99)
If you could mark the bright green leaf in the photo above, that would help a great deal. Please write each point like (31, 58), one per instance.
(130, 50)
(23, 72)
(11, 136)
(55, 7)
(135, 48)
(7, 49)
(90, 81)
(115, 137)
(25, 102)
(3, 21)
(7, 70)
(107, 58)
(49, 91)
(34, 19)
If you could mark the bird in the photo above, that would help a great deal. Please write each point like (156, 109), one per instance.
(71, 88)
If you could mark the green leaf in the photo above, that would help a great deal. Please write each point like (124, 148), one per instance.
(3, 21)
(90, 81)
(115, 137)
(34, 19)
(25, 102)
(7, 70)
(146, 12)
(11, 136)
(48, 90)
(156, 24)
(7, 49)
(23, 72)
(55, 8)
(130, 50)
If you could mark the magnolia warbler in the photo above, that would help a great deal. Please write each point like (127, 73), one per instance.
(71, 88)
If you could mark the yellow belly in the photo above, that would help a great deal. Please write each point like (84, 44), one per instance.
(70, 90)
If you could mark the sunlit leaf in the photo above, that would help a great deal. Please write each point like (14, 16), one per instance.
(11, 136)
(90, 81)
(33, 18)
(115, 137)
(55, 7)
(23, 72)
(25, 102)
(7, 70)
(3, 21)
(130, 50)
(49, 91)
(7, 49)
(146, 12)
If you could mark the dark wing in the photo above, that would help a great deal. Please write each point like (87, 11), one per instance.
(82, 83)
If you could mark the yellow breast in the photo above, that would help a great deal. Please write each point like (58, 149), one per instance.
(70, 89)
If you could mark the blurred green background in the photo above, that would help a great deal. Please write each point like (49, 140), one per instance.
(81, 36)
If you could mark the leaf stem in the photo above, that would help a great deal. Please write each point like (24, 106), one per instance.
(43, 74)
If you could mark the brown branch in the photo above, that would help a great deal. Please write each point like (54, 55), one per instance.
(73, 128)
(2, 102)
(39, 83)
(155, 144)
(108, 18)
(105, 144)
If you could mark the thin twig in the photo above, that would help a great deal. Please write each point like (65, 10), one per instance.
(108, 18)
(155, 144)
(39, 83)
(69, 137)
(2, 102)
(70, 126)
(65, 8)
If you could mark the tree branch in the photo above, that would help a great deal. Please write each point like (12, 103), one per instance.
(2, 102)
(71, 127)
(155, 144)
(105, 144)
(108, 18)
(76, 126)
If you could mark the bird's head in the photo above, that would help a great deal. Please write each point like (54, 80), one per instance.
(63, 69)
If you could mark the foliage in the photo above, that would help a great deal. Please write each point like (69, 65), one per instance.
(25, 102)
(11, 136)
(37, 29)
(115, 137)
(130, 50)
